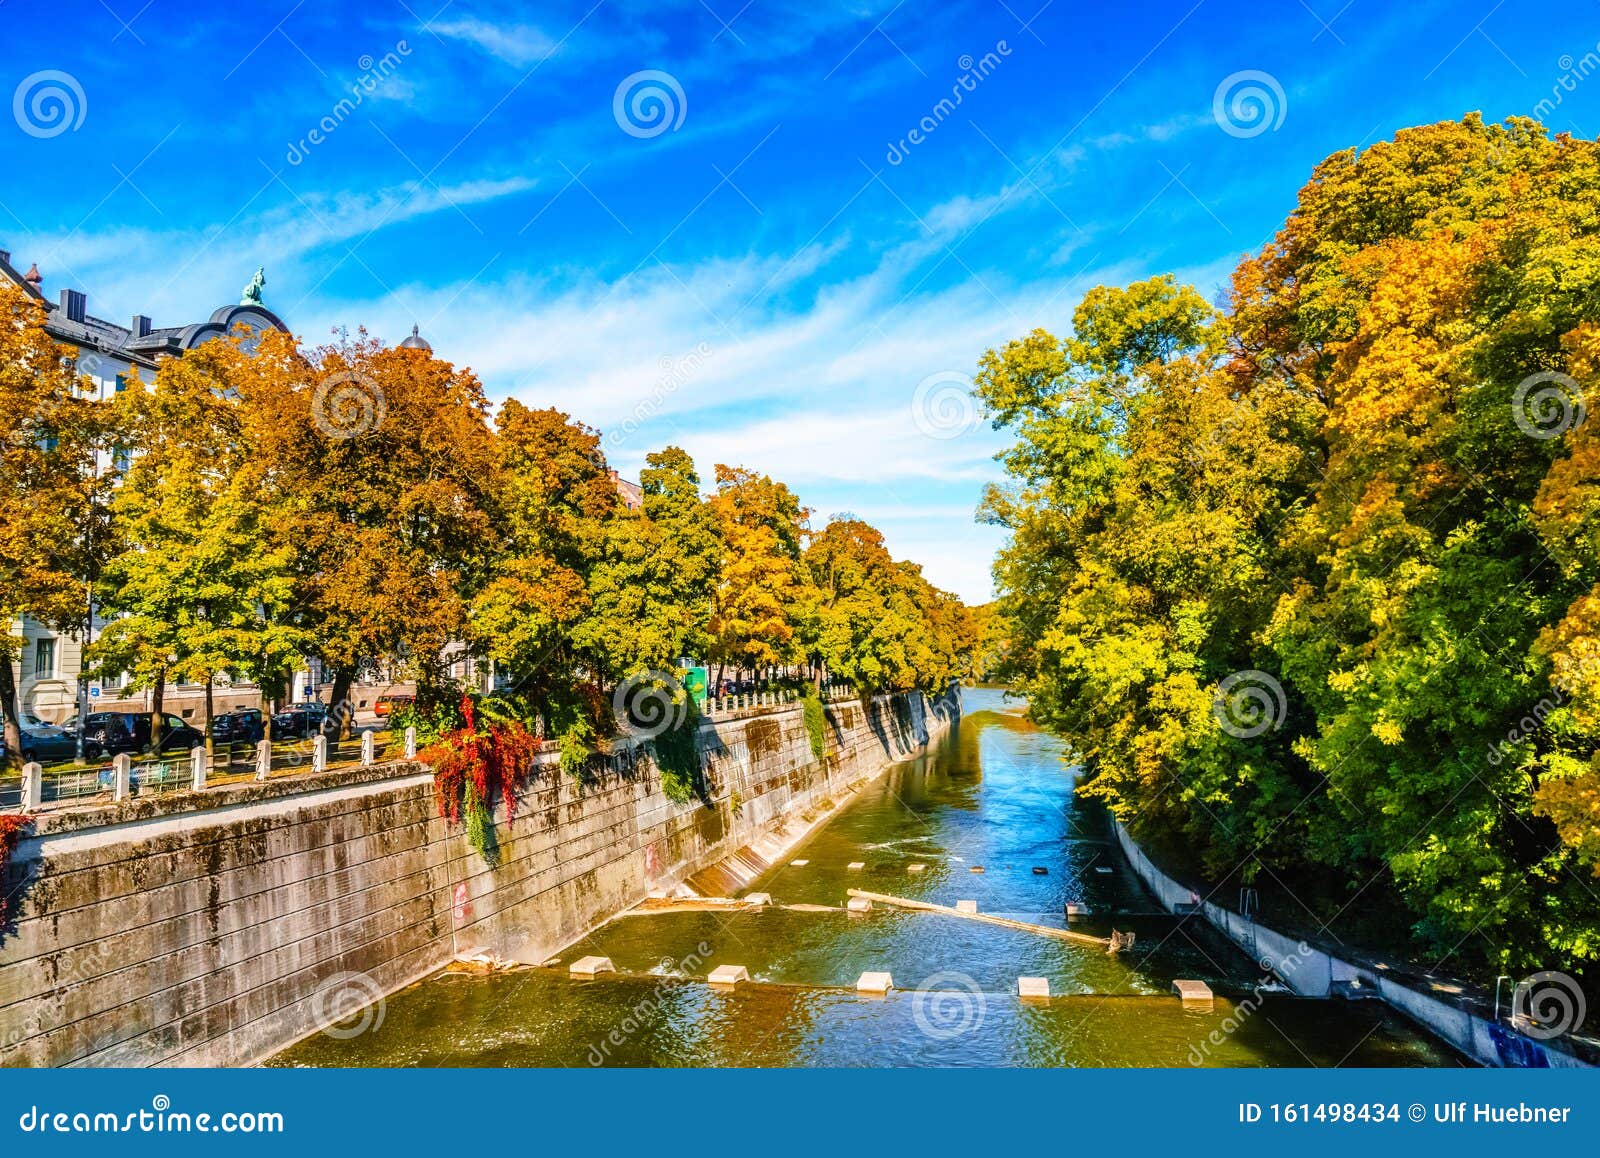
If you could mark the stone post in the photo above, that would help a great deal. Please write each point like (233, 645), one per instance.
(263, 759)
(319, 754)
(411, 743)
(369, 748)
(32, 787)
(197, 768)
(122, 777)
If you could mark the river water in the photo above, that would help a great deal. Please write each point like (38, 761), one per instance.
(995, 795)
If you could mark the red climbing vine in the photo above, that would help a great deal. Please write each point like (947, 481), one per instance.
(11, 827)
(473, 769)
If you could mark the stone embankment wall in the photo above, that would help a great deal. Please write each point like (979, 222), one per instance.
(1316, 970)
(181, 930)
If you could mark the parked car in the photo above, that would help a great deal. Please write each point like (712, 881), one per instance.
(42, 742)
(389, 701)
(111, 733)
(242, 726)
(300, 722)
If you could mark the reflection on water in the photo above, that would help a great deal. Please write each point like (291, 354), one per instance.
(996, 796)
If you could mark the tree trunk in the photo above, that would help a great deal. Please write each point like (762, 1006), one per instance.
(340, 707)
(210, 751)
(12, 710)
(158, 705)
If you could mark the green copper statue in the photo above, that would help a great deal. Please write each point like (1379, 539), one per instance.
(252, 292)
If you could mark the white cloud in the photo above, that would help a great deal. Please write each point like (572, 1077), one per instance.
(197, 270)
(517, 44)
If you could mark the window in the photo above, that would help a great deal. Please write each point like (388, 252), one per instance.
(44, 659)
(122, 383)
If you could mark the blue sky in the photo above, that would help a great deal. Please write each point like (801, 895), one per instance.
(775, 273)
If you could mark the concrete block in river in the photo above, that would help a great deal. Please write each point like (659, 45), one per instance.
(874, 983)
(1193, 994)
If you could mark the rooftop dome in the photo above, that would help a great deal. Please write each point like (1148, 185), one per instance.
(416, 342)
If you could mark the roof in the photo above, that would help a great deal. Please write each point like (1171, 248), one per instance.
(122, 342)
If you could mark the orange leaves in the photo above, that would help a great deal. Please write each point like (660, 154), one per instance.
(1573, 804)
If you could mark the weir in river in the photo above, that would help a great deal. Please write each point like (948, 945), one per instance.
(994, 796)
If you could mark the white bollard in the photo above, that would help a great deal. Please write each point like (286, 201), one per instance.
(32, 787)
(369, 748)
(263, 759)
(411, 743)
(197, 768)
(319, 754)
(122, 777)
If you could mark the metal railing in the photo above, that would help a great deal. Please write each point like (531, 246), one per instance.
(230, 763)
(774, 697)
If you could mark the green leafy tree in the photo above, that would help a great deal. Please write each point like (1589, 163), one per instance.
(1342, 491)
(197, 588)
(650, 591)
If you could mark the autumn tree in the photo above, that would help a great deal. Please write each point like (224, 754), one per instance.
(1367, 489)
(553, 498)
(377, 468)
(197, 588)
(760, 588)
(51, 526)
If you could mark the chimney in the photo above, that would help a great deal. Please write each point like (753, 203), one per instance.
(5, 256)
(141, 326)
(73, 303)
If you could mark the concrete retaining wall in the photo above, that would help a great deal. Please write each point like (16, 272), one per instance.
(157, 933)
(1312, 971)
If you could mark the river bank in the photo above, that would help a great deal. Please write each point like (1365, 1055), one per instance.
(994, 794)
(216, 930)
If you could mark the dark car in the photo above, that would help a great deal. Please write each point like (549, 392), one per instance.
(300, 722)
(243, 726)
(46, 743)
(111, 733)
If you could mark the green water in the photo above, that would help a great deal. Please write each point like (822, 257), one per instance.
(994, 794)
